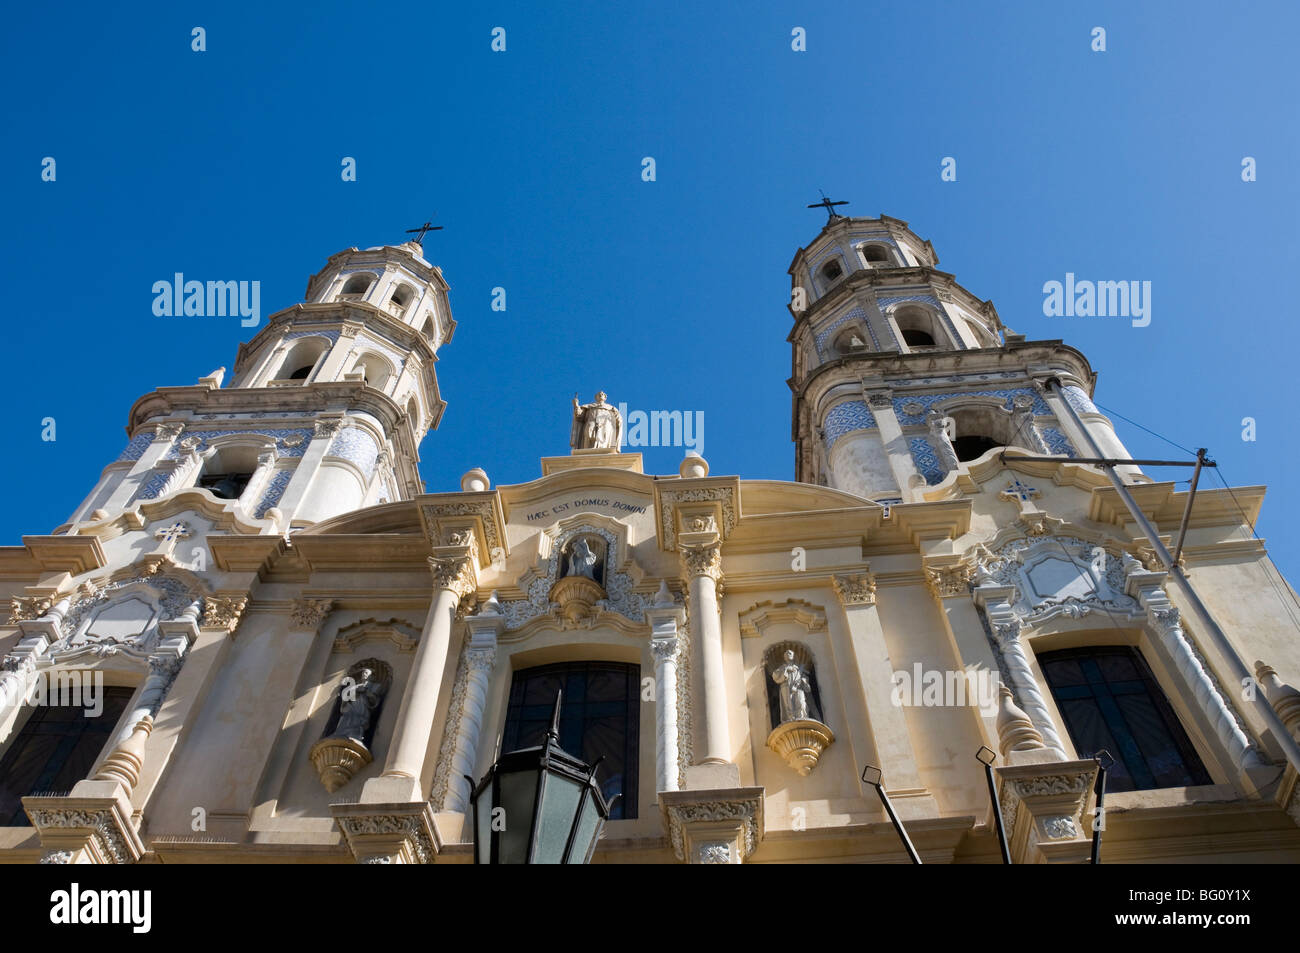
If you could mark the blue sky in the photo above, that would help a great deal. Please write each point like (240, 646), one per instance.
(669, 295)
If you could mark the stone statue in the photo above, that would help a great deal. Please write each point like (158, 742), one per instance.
(582, 561)
(1099, 565)
(794, 689)
(358, 700)
(596, 426)
(940, 429)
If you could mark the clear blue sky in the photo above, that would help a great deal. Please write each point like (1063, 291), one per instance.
(669, 295)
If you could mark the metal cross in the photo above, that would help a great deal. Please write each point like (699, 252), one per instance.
(426, 227)
(829, 206)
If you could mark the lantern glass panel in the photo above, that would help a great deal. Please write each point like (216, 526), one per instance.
(589, 825)
(555, 819)
(518, 796)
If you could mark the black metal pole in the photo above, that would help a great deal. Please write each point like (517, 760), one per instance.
(997, 811)
(1099, 818)
(893, 818)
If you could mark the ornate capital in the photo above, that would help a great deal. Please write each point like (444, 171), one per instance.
(327, 428)
(945, 582)
(665, 649)
(453, 573)
(703, 559)
(480, 658)
(394, 833)
(26, 608)
(310, 613)
(223, 612)
(167, 432)
(880, 400)
(855, 590)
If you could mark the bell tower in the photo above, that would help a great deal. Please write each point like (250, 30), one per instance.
(901, 377)
(323, 413)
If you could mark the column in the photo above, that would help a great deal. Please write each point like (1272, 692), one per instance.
(666, 618)
(480, 658)
(702, 564)
(453, 574)
(1165, 620)
(1006, 632)
(891, 435)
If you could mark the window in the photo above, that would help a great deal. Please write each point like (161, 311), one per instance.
(875, 253)
(358, 284)
(914, 337)
(226, 486)
(973, 446)
(55, 749)
(374, 369)
(302, 373)
(1109, 699)
(831, 270)
(600, 716)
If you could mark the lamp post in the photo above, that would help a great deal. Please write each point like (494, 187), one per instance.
(538, 806)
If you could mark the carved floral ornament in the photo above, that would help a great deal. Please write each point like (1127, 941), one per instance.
(453, 573)
(310, 613)
(1058, 575)
(747, 811)
(947, 581)
(669, 500)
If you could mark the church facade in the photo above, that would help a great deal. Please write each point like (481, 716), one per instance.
(258, 639)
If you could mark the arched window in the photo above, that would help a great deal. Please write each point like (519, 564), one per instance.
(301, 359)
(400, 298)
(430, 330)
(876, 255)
(919, 327)
(55, 749)
(972, 446)
(1109, 699)
(831, 271)
(850, 339)
(413, 412)
(226, 473)
(375, 370)
(600, 716)
(357, 286)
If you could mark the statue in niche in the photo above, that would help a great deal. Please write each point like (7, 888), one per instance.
(794, 686)
(582, 561)
(360, 695)
(596, 426)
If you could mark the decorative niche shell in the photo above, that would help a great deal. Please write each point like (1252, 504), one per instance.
(800, 743)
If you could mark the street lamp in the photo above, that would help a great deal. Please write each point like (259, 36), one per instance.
(538, 806)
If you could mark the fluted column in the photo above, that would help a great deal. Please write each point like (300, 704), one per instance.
(453, 578)
(480, 658)
(665, 618)
(702, 565)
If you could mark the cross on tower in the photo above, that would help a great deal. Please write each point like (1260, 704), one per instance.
(829, 206)
(426, 227)
(177, 530)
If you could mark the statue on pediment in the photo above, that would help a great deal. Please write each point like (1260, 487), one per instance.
(596, 426)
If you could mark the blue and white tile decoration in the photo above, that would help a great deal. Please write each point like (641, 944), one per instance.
(925, 400)
(883, 239)
(136, 448)
(845, 418)
(151, 487)
(1057, 442)
(332, 335)
(1078, 399)
(358, 447)
(274, 490)
(884, 301)
(206, 436)
(927, 461)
